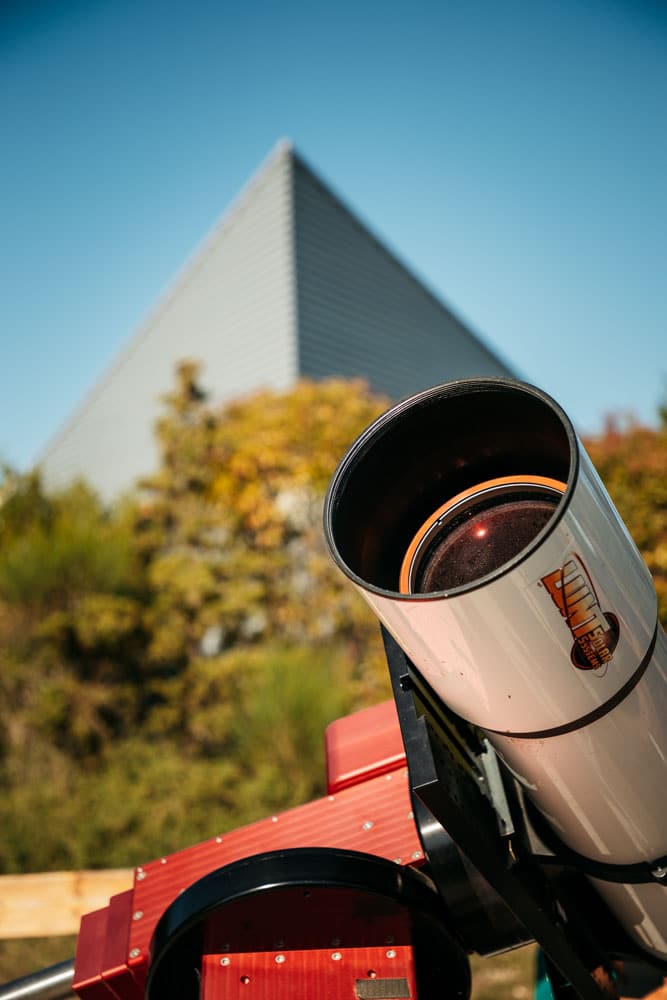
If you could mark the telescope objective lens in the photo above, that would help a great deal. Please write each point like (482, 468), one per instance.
(477, 532)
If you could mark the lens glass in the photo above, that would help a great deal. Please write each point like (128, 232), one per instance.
(460, 550)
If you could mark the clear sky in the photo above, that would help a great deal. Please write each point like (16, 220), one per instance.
(513, 153)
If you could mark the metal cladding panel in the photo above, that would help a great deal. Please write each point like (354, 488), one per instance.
(362, 314)
(233, 307)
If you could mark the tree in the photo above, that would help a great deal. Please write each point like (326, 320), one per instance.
(230, 533)
(170, 665)
(632, 461)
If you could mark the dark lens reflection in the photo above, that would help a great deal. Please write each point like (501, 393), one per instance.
(480, 542)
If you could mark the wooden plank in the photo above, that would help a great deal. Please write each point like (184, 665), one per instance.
(49, 904)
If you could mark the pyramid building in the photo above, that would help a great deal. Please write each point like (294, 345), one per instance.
(289, 284)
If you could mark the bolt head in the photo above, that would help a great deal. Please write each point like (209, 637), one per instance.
(137, 915)
(280, 959)
(336, 955)
(135, 953)
(225, 960)
(391, 953)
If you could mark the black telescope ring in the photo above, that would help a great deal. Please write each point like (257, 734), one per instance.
(597, 713)
(637, 873)
(177, 944)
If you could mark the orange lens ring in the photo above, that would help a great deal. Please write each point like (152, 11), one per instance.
(406, 565)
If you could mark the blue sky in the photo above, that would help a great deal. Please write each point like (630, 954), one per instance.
(514, 154)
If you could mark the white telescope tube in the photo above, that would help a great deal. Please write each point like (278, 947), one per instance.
(472, 521)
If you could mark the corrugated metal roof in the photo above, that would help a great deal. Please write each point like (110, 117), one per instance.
(288, 283)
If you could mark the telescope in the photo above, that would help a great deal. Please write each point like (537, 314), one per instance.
(512, 792)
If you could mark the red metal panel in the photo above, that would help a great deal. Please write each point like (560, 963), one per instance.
(313, 974)
(362, 746)
(374, 816)
(115, 955)
(88, 963)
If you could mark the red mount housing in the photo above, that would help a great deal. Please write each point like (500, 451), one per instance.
(367, 809)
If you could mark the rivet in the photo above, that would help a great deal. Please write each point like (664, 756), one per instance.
(336, 955)
(280, 959)
(163, 861)
(391, 953)
(416, 854)
(224, 960)
(218, 840)
(141, 875)
(274, 819)
(137, 915)
(368, 825)
(135, 953)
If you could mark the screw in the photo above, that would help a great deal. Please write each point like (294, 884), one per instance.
(368, 825)
(137, 915)
(416, 854)
(660, 871)
(391, 953)
(336, 955)
(218, 840)
(274, 819)
(141, 875)
(163, 861)
(224, 960)
(280, 959)
(398, 861)
(135, 953)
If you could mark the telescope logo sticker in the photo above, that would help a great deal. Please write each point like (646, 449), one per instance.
(595, 632)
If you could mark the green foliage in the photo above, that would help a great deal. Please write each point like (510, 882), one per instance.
(230, 527)
(632, 461)
(169, 666)
(53, 549)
